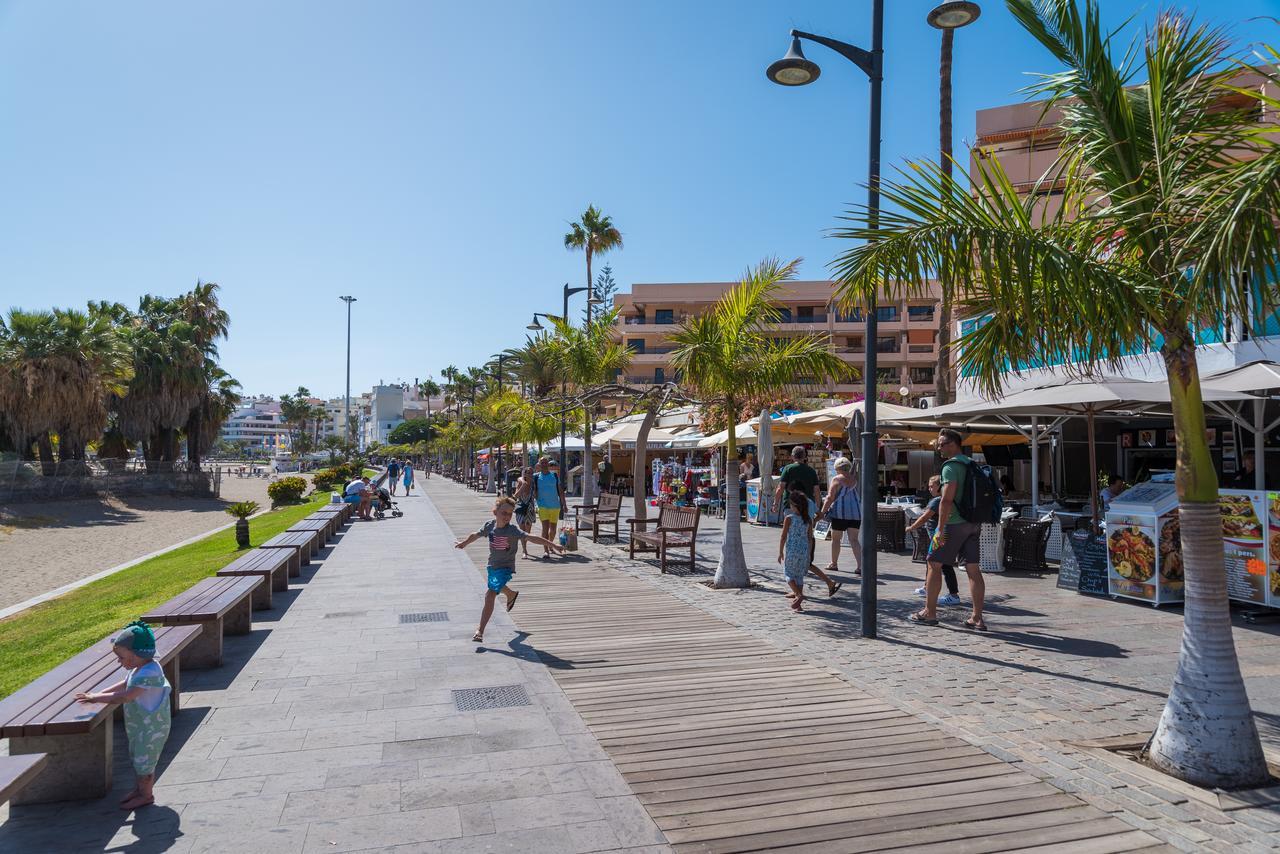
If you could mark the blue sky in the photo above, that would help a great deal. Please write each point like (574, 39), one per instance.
(427, 156)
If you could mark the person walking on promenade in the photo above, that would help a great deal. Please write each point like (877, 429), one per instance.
(548, 492)
(393, 474)
(144, 693)
(408, 477)
(956, 540)
(797, 475)
(929, 519)
(844, 508)
(526, 508)
(503, 539)
(795, 548)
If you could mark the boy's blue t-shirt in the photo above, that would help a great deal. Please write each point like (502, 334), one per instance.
(932, 525)
(547, 488)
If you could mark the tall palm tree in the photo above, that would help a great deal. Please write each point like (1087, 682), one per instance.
(1155, 223)
(588, 357)
(534, 364)
(429, 389)
(216, 405)
(730, 354)
(594, 234)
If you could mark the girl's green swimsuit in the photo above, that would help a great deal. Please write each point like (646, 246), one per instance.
(146, 719)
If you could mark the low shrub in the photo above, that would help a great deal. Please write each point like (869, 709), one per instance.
(287, 490)
(323, 480)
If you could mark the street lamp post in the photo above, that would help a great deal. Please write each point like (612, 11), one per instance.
(795, 70)
(501, 481)
(947, 17)
(348, 301)
(564, 386)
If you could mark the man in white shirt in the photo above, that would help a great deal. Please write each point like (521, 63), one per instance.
(1115, 486)
(359, 492)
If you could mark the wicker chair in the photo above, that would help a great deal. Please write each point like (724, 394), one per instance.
(891, 529)
(1025, 542)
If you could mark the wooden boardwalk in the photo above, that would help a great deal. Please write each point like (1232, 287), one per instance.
(733, 745)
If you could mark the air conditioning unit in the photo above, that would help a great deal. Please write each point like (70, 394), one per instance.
(927, 402)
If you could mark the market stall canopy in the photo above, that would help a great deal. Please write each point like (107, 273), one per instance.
(745, 433)
(834, 419)
(926, 438)
(628, 432)
(1253, 377)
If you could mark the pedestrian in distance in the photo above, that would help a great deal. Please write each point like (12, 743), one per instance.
(144, 693)
(929, 521)
(795, 547)
(957, 538)
(526, 507)
(408, 477)
(843, 508)
(504, 538)
(393, 474)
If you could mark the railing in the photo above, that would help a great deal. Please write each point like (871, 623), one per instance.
(813, 318)
(888, 348)
(920, 318)
(642, 380)
(848, 350)
(919, 348)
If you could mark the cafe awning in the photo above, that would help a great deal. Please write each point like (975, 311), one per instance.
(627, 433)
(834, 419)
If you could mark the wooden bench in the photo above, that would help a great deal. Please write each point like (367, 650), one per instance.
(220, 606)
(303, 543)
(333, 522)
(320, 526)
(45, 717)
(17, 771)
(603, 512)
(272, 565)
(677, 528)
(338, 511)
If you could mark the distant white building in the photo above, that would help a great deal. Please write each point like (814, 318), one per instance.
(386, 407)
(258, 426)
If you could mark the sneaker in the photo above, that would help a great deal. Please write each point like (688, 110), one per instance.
(949, 599)
(919, 591)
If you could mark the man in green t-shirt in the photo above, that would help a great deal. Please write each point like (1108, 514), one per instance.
(957, 540)
(797, 475)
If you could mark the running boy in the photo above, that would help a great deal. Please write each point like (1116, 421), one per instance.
(504, 541)
(145, 694)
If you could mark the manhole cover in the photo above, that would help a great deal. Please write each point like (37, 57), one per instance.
(333, 614)
(426, 617)
(501, 697)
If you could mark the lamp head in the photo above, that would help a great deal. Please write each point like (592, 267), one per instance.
(535, 326)
(954, 15)
(793, 69)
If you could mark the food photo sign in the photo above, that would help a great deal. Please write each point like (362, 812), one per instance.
(1273, 550)
(1144, 548)
(1245, 543)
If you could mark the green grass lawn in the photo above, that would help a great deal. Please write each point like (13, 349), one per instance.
(370, 473)
(38, 639)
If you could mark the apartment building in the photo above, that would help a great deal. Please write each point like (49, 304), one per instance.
(906, 337)
(257, 425)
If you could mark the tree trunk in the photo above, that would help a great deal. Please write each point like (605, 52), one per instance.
(44, 445)
(193, 440)
(588, 471)
(942, 372)
(640, 466)
(732, 569)
(590, 286)
(1206, 733)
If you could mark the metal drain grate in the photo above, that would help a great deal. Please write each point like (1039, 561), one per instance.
(501, 697)
(427, 617)
(333, 614)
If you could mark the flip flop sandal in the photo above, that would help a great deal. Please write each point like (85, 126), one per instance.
(511, 603)
(834, 590)
(831, 567)
(919, 617)
(980, 626)
(478, 638)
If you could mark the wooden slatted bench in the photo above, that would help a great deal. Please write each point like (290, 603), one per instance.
(332, 523)
(337, 511)
(221, 606)
(271, 564)
(321, 526)
(603, 512)
(303, 543)
(677, 528)
(45, 717)
(17, 771)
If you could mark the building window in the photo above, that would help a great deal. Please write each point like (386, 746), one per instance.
(887, 313)
(636, 345)
(664, 316)
(887, 344)
(924, 376)
(659, 376)
(852, 315)
(805, 313)
(784, 314)
(919, 312)
(887, 375)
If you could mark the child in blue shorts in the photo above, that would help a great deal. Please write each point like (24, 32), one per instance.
(504, 543)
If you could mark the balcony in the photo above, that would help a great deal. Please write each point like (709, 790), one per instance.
(652, 357)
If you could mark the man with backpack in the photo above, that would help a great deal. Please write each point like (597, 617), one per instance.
(393, 473)
(548, 494)
(969, 499)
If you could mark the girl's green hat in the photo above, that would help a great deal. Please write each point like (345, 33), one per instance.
(138, 638)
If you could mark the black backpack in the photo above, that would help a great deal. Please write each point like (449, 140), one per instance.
(980, 500)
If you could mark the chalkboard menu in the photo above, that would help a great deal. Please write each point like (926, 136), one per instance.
(1084, 563)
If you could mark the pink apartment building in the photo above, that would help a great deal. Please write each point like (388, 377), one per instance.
(906, 340)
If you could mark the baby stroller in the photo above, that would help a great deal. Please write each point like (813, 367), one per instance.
(383, 503)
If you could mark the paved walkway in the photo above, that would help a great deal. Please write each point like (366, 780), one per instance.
(1058, 669)
(333, 727)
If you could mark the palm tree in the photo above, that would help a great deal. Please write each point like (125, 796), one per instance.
(219, 401)
(730, 354)
(594, 234)
(534, 365)
(1158, 214)
(588, 357)
(429, 388)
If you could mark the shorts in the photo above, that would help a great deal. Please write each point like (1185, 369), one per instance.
(845, 524)
(549, 514)
(351, 499)
(963, 545)
(498, 578)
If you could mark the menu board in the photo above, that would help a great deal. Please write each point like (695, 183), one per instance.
(1273, 548)
(1245, 543)
(1084, 563)
(1144, 546)
(1131, 556)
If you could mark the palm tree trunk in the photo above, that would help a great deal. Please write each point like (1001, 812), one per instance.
(590, 292)
(587, 468)
(641, 464)
(193, 440)
(44, 446)
(1206, 733)
(732, 569)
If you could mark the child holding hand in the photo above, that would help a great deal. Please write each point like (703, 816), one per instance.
(504, 542)
(145, 694)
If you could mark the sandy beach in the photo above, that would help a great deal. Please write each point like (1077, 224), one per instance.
(48, 544)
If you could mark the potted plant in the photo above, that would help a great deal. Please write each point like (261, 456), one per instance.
(242, 510)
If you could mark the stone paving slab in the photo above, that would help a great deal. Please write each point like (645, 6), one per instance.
(1058, 668)
(332, 727)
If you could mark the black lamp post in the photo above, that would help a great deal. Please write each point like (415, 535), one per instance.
(795, 70)
(537, 327)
